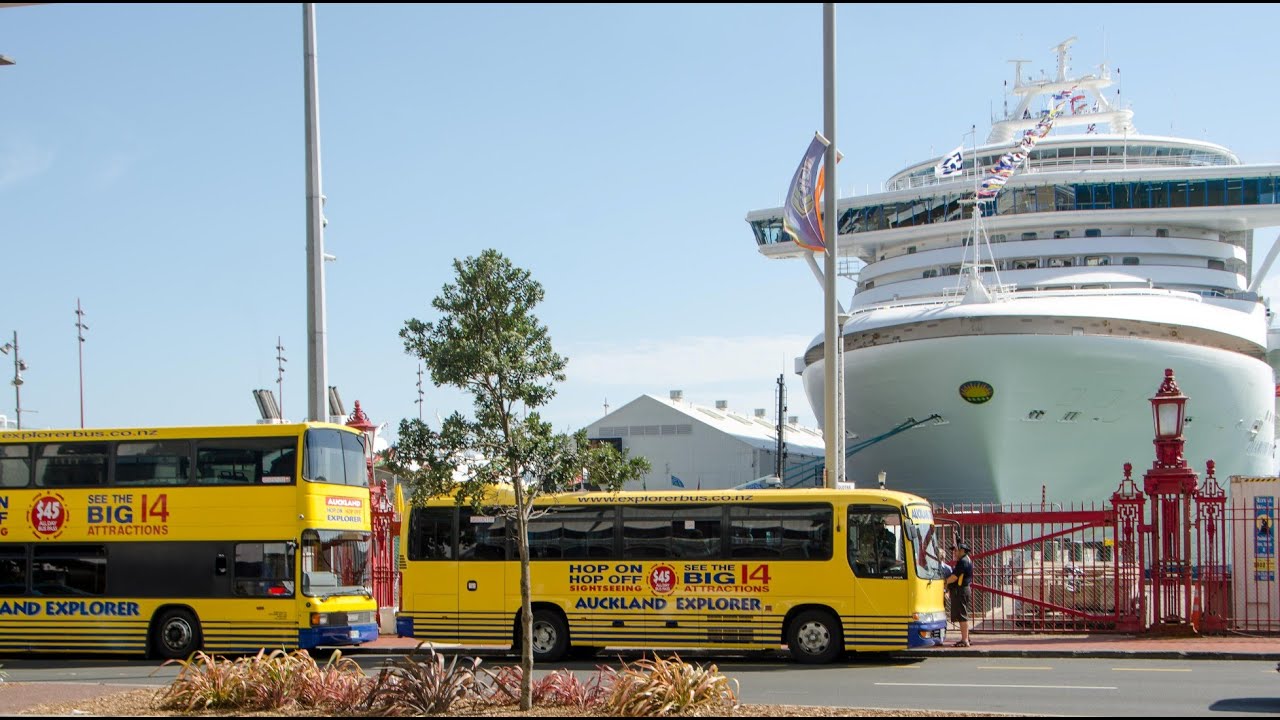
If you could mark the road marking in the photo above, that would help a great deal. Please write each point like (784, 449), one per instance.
(1152, 669)
(1028, 687)
(1014, 667)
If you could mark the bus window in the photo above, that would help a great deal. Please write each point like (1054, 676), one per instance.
(335, 457)
(15, 465)
(240, 461)
(334, 562)
(571, 532)
(481, 537)
(875, 542)
(796, 532)
(69, 570)
(13, 571)
(921, 533)
(264, 569)
(71, 464)
(671, 532)
(167, 462)
(354, 458)
(431, 534)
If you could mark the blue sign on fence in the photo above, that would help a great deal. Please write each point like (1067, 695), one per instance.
(1264, 538)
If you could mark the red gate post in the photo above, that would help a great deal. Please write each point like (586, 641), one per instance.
(1211, 503)
(1170, 484)
(382, 511)
(1128, 558)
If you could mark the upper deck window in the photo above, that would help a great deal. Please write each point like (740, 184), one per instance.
(15, 465)
(335, 457)
(71, 464)
(234, 461)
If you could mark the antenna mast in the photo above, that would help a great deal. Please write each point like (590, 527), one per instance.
(80, 328)
(419, 400)
(280, 361)
(780, 446)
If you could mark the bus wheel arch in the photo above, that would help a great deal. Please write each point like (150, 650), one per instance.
(813, 634)
(175, 632)
(550, 632)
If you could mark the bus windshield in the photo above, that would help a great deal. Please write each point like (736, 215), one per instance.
(920, 530)
(335, 457)
(335, 562)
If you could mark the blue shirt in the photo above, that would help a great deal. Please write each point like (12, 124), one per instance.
(963, 572)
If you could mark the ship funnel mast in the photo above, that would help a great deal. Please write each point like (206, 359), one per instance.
(1081, 113)
(1061, 49)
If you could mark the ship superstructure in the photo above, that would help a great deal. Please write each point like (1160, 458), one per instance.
(1038, 329)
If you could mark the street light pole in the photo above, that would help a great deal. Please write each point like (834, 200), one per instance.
(317, 367)
(833, 416)
(18, 366)
(80, 328)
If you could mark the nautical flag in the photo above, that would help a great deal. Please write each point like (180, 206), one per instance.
(801, 217)
(1004, 167)
(951, 164)
(677, 481)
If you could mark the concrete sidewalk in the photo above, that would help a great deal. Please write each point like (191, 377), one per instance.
(1198, 647)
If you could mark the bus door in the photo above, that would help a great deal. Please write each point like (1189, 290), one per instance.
(877, 555)
(434, 597)
(484, 617)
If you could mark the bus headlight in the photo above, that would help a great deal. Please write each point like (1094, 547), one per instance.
(319, 619)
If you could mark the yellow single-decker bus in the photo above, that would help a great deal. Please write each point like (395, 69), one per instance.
(817, 571)
(165, 541)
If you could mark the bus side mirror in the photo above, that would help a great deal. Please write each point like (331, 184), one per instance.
(220, 564)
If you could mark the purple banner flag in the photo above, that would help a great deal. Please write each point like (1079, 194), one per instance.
(800, 218)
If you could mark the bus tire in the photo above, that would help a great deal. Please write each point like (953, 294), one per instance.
(176, 634)
(550, 636)
(815, 637)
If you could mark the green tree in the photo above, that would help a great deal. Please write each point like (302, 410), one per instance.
(487, 342)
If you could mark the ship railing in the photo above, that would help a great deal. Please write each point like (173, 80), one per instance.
(1135, 162)
(1010, 291)
(998, 292)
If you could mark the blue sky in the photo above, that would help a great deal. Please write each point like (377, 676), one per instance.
(152, 165)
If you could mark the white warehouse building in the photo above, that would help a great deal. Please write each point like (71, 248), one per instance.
(693, 446)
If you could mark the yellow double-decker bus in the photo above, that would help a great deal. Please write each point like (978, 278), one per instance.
(819, 571)
(166, 541)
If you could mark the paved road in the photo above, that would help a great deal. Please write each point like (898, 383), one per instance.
(1048, 686)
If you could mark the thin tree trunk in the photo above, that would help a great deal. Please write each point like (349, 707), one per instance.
(526, 605)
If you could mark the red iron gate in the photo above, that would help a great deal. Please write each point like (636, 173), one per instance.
(1045, 569)
(1156, 561)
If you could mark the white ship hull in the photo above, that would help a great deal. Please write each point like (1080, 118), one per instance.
(999, 451)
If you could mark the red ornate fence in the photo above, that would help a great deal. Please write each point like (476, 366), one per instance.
(1194, 560)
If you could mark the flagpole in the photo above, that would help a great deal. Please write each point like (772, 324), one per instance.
(833, 373)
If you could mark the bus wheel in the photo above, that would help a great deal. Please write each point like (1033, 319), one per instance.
(815, 638)
(550, 636)
(176, 634)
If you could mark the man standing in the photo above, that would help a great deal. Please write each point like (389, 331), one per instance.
(958, 585)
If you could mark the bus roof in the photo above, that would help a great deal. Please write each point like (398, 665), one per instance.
(155, 432)
(679, 497)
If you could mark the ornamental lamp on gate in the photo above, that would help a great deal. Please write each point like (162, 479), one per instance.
(360, 421)
(1168, 408)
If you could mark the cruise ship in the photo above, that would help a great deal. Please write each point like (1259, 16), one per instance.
(1033, 324)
